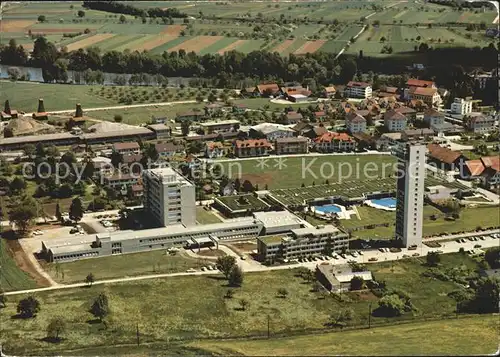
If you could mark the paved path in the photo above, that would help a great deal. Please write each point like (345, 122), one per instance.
(252, 266)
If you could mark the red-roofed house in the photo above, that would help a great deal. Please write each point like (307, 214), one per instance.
(266, 90)
(329, 92)
(429, 96)
(445, 158)
(486, 170)
(131, 148)
(412, 82)
(334, 142)
(214, 149)
(251, 147)
(358, 90)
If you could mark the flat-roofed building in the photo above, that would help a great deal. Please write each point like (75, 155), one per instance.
(223, 126)
(461, 106)
(161, 130)
(358, 90)
(169, 197)
(335, 278)
(303, 242)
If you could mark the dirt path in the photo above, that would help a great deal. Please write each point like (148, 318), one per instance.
(27, 263)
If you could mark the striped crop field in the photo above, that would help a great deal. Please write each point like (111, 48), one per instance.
(156, 41)
(15, 25)
(173, 30)
(135, 44)
(169, 45)
(332, 46)
(89, 41)
(351, 31)
(250, 45)
(218, 46)
(283, 46)
(310, 47)
(232, 46)
(196, 44)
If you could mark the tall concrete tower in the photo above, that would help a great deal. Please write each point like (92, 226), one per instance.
(410, 193)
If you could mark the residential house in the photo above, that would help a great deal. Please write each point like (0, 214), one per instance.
(161, 130)
(386, 91)
(409, 113)
(319, 116)
(136, 191)
(329, 92)
(334, 142)
(315, 132)
(292, 118)
(289, 92)
(131, 148)
(268, 90)
(121, 181)
(294, 145)
(355, 123)
(461, 106)
(365, 141)
(358, 90)
(102, 166)
(481, 124)
(189, 116)
(214, 149)
(432, 117)
(394, 121)
(302, 127)
(388, 140)
(167, 150)
(444, 158)
(252, 147)
(413, 82)
(223, 126)
(429, 96)
(271, 131)
(485, 170)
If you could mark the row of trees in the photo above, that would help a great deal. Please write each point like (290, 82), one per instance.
(122, 8)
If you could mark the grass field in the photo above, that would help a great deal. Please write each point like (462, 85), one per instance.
(11, 277)
(308, 170)
(154, 262)
(470, 219)
(175, 308)
(205, 217)
(412, 339)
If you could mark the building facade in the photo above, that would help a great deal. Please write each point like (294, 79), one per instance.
(355, 123)
(358, 90)
(251, 148)
(334, 142)
(461, 106)
(303, 242)
(395, 121)
(291, 146)
(169, 197)
(481, 124)
(410, 193)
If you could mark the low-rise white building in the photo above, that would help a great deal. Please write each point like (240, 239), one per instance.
(461, 106)
(358, 90)
(395, 121)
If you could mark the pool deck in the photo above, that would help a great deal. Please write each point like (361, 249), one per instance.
(378, 206)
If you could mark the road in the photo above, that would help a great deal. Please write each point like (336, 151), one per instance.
(248, 266)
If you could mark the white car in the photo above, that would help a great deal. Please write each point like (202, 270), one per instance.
(190, 270)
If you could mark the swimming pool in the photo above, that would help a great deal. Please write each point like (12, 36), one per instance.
(328, 208)
(386, 202)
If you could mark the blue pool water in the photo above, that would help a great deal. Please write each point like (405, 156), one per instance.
(386, 202)
(328, 209)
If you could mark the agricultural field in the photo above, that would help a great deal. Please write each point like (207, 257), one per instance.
(181, 312)
(12, 277)
(218, 28)
(405, 340)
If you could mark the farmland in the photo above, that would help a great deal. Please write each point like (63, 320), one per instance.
(182, 314)
(298, 28)
(12, 277)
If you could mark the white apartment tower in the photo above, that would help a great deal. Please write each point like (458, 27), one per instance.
(410, 193)
(169, 197)
(461, 106)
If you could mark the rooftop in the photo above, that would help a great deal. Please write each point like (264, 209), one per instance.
(267, 128)
(271, 240)
(358, 84)
(300, 232)
(273, 219)
(167, 175)
(443, 154)
(222, 122)
(291, 140)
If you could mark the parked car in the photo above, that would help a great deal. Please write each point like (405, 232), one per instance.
(190, 270)
(381, 250)
(360, 252)
(415, 255)
(373, 259)
(477, 246)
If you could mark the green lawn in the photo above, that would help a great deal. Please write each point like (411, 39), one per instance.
(195, 307)
(154, 262)
(11, 277)
(470, 219)
(308, 170)
(467, 336)
(206, 217)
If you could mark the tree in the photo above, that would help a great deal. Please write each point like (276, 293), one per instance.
(76, 209)
(247, 186)
(357, 283)
(58, 212)
(390, 306)
(282, 293)
(89, 279)
(28, 307)
(433, 259)
(22, 215)
(41, 18)
(225, 264)
(100, 307)
(185, 128)
(3, 299)
(244, 304)
(118, 118)
(8, 133)
(123, 19)
(81, 13)
(29, 150)
(55, 328)
(17, 185)
(235, 278)
(492, 256)
(487, 296)
(229, 294)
